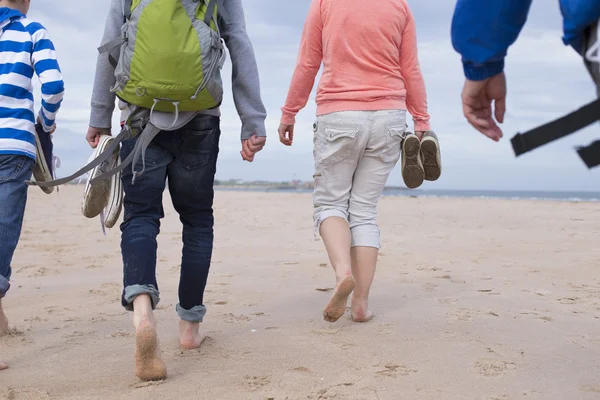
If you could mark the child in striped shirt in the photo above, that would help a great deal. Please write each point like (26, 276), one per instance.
(25, 49)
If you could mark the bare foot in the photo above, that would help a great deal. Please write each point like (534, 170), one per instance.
(337, 305)
(148, 364)
(360, 312)
(3, 365)
(189, 333)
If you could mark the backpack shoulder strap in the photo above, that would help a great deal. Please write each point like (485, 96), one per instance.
(586, 115)
(210, 11)
(127, 9)
(528, 141)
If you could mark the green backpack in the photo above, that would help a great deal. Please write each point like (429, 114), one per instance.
(167, 61)
(170, 55)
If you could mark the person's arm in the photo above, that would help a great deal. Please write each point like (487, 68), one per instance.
(48, 71)
(308, 64)
(103, 100)
(245, 77)
(482, 32)
(416, 95)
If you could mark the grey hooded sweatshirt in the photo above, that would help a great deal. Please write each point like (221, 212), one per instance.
(245, 79)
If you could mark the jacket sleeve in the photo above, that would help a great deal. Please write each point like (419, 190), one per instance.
(310, 57)
(482, 32)
(245, 76)
(48, 71)
(103, 100)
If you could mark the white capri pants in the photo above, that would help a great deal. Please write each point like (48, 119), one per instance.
(354, 152)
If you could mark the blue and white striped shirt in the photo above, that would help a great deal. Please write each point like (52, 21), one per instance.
(24, 49)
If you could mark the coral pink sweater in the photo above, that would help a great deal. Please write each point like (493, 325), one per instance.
(369, 53)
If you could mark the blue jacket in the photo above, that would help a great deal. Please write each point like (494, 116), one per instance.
(483, 30)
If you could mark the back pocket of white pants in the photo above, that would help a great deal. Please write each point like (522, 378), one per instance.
(334, 143)
(393, 143)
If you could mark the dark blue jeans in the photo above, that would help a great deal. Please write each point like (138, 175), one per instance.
(14, 171)
(187, 160)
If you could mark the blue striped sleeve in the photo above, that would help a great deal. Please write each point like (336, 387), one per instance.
(47, 69)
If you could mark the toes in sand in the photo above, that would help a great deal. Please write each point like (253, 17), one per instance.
(3, 365)
(337, 305)
(149, 365)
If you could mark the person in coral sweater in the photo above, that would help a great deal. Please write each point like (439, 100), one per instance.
(371, 77)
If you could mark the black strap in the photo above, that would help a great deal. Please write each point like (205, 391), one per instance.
(590, 154)
(586, 115)
(210, 11)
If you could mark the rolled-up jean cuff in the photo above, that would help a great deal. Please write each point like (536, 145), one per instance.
(366, 236)
(133, 291)
(195, 314)
(4, 286)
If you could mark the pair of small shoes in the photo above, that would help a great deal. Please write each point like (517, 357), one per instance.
(421, 159)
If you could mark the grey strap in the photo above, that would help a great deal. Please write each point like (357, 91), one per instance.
(139, 150)
(105, 155)
(223, 11)
(127, 9)
(109, 48)
(210, 10)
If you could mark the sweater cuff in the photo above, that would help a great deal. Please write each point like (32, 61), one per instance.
(253, 126)
(422, 126)
(101, 117)
(288, 119)
(483, 71)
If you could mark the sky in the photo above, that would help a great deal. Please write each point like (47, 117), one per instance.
(545, 78)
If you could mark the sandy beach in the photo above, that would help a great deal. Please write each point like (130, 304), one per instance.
(474, 299)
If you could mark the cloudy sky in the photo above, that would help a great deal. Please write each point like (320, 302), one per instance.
(546, 80)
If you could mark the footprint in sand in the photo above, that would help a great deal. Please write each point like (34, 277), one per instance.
(490, 367)
(449, 301)
(429, 287)
(220, 303)
(35, 319)
(330, 331)
(13, 337)
(122, 334)
(76, 337)
(43, 272)
(462, 314)
(26, 394)
(231, 318)
(254, 383)
(301, 369)
(386, 329)
(393, 370)
(590, 389)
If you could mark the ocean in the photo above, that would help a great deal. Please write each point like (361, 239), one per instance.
(447, 193)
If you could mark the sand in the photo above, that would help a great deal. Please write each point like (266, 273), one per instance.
(474, 299)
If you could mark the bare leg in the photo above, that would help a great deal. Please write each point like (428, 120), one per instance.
(336, 235)
(149, 365)
(3, 331)
(190, 337)
(364, 262)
